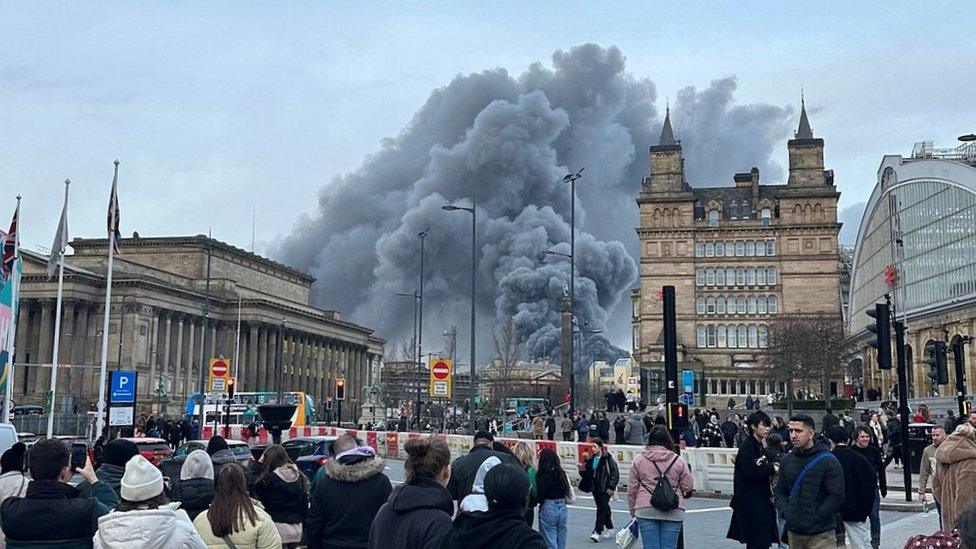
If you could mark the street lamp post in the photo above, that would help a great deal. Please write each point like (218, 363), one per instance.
(416, 297)
(474, 271)
(571, 179)
(420, 318)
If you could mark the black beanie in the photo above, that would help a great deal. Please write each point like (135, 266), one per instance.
(119, 452)
(217, 444)
(13, 458)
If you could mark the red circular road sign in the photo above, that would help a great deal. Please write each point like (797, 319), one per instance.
(441, 370)
(218, 368)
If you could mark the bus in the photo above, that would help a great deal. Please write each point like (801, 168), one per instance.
(244, 407)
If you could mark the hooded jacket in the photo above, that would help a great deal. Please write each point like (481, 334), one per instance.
(643, 477)
(417, 516)
(166, 527)
(27, 521)
(634, 430)
(221, 459)
(503, 528)
(464, 469)
(284, 494)
(260, 535)
(195, 487)
(821, 493)
(954, 483)
(345, 503)
(476, 500)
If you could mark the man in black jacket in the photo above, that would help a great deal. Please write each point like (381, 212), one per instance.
(347, 499)
(730, 428)
(829, 420)
(860, 482)
(871, 452)
(810, 506)
(464, 468)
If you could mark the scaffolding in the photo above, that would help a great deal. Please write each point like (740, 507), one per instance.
(965, 152)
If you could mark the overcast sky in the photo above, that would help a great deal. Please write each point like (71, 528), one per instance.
(217, 109)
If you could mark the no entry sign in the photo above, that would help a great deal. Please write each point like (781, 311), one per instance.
(440, 370)
(219, 374)
(219, 368)
(440, 377)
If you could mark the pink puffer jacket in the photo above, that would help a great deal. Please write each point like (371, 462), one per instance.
(643, 477)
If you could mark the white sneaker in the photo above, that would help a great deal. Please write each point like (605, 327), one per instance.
(595, 538)
(608, 534)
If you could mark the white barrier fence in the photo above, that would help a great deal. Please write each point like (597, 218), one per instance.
(711, 468)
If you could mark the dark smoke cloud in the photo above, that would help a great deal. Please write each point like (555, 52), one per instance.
(509, 140)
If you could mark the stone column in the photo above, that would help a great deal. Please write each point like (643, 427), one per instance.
(251, 364)
(164, 350)
(303, 357)
(212, 348)
(40, 378)
(272, 358)
(23, 350)
(151, 383)
(79, 339)
(178, 389)
(317, 371)
(93, 351)
(64, 352)
(261, 384)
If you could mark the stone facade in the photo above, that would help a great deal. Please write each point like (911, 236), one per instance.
(738, 257)
(158, 293)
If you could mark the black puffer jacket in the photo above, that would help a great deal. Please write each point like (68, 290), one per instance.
(284, 494)
(605, 477)
(821, 492)
(465, 468)
(417, 516)
(502, 529)
(195, 495)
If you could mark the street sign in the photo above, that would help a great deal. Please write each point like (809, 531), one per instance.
(688, 381)
(440, 389)
(440, 377)
(441, 369)
(688, 398)
(121, 416)
(123, 388)
(219, 374)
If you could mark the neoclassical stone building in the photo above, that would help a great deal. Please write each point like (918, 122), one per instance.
(738, 256)
(158, 296)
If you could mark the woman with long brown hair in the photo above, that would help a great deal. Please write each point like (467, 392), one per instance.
(234, 518)
(283, 491)
(552, 491)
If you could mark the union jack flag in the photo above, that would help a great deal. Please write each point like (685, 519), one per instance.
(10, 246)
(114, 216)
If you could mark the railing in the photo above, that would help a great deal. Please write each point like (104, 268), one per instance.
(64, 424)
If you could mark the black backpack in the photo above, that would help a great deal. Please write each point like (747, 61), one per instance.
(664, 498)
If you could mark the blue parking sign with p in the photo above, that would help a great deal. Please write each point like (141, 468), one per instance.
(123, 388)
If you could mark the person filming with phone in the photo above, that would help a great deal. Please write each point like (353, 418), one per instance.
(53, 512)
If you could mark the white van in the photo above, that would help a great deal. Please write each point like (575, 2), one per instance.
(8, 436)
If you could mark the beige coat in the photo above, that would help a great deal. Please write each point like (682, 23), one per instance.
(263, 535)
(954, 482)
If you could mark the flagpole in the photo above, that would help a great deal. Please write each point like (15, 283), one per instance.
(15, 310)
(237, 346)
(57, 327)
(102, 369)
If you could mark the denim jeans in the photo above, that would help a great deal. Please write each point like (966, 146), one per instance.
(659, 534)
(875, 518)
(552, 522)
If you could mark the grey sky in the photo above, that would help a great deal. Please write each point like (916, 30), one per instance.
(220, 108)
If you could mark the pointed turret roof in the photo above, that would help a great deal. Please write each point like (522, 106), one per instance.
(667, 134)
(803, 131)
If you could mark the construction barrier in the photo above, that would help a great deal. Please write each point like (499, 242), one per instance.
(712, 468)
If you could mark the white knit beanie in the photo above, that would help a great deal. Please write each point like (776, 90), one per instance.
(141, 480)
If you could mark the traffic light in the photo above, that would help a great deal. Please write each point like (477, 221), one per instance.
(231, 384)
(340, 389)
(882, 332)
(677, 416)
(935, 357)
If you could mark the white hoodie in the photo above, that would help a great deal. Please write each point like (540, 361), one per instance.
(166, 527)
(476, 500)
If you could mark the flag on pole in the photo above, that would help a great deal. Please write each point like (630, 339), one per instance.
(10, 246)
(113, 212)
(60, 238)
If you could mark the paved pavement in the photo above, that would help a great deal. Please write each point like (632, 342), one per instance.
(707, 520)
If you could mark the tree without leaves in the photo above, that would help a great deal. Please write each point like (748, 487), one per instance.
(805, 349)
(508, 353)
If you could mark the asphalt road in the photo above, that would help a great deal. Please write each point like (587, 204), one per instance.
(706, 519)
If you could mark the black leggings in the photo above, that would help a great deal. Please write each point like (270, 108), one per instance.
(603, 512)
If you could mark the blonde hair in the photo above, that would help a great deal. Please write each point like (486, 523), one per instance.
(523, 452)
(966, 430)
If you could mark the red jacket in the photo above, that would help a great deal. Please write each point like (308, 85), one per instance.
(643, 477)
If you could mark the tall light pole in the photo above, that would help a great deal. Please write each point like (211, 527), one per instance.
(416, 297)
(474, 272)
(420, 318)
(571, 179)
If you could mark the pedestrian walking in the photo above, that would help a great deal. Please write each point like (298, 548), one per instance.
(346, 500)
(50, 500)
(115, 457)
(464, 468)
(195, 487)
(145, 518)
(526, 458)
(602, 427)
(810, 490)
(600, 476)
(234, 519)
(865, 446)
(877, 430)
(502, 526)
(860, 485)
(731, 404)
(418, 512)
(954, 484)
(619, 428)
(927, 467)
(730, 428)
(283, 492)
(13, 481)
(550, 428)
(635, 430)
(538, 427)
(552, 487)
(712, 433)
(893, 430)
(476, 500)
(829, 420)
(566, 426)
(780, 428)
(582, 428)
(749, 402)
(659, 524)
(753, 517)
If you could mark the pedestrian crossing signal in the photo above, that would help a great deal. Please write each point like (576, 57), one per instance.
(677, 416)
(340, 389)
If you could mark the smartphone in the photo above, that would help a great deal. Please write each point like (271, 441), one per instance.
(79, 454)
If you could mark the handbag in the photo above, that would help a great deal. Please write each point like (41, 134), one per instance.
(627, 536)
(571, 496)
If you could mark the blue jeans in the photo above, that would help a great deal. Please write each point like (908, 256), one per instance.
(553, 515)
(659, 534)
(875, 519)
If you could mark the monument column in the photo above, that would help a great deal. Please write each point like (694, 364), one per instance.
(251, 376)
(67, 332)
(262, 359)
(178, 388)
(78, 343)
(40, 379)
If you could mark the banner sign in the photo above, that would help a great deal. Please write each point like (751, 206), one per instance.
(8, 312)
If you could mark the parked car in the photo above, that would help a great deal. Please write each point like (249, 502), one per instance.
(309, 453)
(153, 449)
(173, 463)
(27, 410)
(27, 438)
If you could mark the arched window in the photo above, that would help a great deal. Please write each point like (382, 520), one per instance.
(720, 305)
(763, 336)
(740, 276)
(730, 276)
(710, 277)
(701, 336)
(761, 305)
(770, 247)
(732, 339)
(767, 217)
(773, 305)
(710, 305)
(709, 249)
(699, 249)
(750, 248)
(700, 305)
(771, 276)
(722, 336)
(740, 305)
(760, 248)
(729, 248)
(713, 218)
(699, 277)
(720, 277)
(761, 276)
(740, 248)
(719, 249)
(712, 336)
(752, 305)
(753, 336)
(743, 336)
(751, 276)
